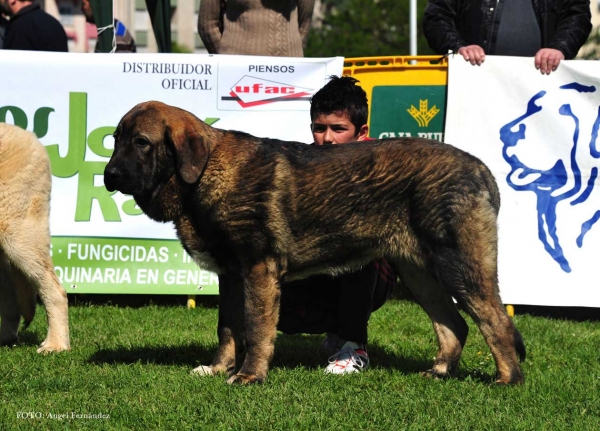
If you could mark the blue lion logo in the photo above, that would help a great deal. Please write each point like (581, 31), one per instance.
(561, 178)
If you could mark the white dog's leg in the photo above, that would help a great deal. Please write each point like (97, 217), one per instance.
(35, 263)
(54, 297)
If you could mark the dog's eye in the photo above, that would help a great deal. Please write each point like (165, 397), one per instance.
(142, 142)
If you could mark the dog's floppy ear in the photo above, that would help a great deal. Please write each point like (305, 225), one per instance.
(191, 150)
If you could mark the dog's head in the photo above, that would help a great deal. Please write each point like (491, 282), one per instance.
(153, 143)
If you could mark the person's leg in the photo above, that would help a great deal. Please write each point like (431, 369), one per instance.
(309, 306)
(354, 310)
(387, 281)
(356, 304)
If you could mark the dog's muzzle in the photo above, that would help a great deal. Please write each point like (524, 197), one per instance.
(112, 177)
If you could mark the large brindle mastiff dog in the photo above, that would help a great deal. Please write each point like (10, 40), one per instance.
(26, 268)
(260, 212)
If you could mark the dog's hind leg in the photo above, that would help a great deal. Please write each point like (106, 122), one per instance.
(449, 326)
(9, 308)
(27, 247)
(474, 283)
(230, 329)
(261, 313)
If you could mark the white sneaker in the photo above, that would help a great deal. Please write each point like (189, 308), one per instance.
(350, 359)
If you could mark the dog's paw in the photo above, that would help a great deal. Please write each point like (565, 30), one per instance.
(53, 347)
(203, 370)
(244, 379)
(514, 378)
(433, 374)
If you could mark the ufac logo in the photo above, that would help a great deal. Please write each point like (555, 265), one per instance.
(423, 115)
(252, 91)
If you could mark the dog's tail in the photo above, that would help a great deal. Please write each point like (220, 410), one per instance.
(520, 346)
(26, 300)
(490, 184)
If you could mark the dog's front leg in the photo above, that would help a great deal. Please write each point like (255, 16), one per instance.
(230, 328)
(261, 312)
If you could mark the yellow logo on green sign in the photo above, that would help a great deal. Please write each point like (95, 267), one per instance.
(423, 115)
(394, 114)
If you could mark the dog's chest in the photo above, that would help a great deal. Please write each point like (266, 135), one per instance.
(195, 246)
(205, 261)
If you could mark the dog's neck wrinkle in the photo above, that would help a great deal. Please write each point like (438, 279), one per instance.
(222, 168)
(165, 203)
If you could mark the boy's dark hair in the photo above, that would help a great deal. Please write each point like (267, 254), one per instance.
(341, 95)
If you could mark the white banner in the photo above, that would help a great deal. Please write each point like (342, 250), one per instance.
(539, 136)
(73, 102)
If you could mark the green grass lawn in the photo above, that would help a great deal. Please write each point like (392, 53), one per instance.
(133, 364)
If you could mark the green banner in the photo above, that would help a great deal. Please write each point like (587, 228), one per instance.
(122, 265)
(408, 110)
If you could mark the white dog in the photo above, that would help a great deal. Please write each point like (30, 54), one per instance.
(26, 267)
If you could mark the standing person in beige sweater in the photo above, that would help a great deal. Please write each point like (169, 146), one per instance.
(255, 27)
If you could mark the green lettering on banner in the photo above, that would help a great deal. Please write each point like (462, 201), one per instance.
(87, 193)
(66, 167)
(96, 141)
(19, 116)
(408, 110)
(40, 121)
(128, 265)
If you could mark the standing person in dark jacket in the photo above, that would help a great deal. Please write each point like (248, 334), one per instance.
(548, 30)
(32, 29)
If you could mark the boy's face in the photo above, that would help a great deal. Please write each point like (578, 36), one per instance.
(336, 129)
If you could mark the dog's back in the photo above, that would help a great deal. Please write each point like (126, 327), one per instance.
(352, 203)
